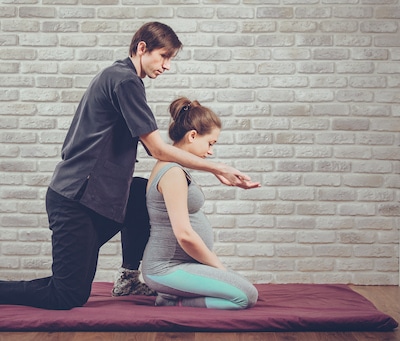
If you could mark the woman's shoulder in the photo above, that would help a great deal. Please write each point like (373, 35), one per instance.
(166, 169)
(165, 166)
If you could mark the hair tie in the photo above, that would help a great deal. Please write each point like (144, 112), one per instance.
(186, 107)
(182, 113)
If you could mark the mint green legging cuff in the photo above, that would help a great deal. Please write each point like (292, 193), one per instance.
(204, 291)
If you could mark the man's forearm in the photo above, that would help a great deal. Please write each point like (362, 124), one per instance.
(189, 160)
(165, 152)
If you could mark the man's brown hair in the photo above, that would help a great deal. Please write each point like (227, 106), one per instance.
(156, 35)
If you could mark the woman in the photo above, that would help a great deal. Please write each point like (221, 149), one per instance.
(178, 261)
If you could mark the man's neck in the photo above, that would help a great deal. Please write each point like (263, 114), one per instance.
(136, 63)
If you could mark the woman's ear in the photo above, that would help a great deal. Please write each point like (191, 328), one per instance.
(191, 135)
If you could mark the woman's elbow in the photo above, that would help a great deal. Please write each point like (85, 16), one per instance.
(185, 241)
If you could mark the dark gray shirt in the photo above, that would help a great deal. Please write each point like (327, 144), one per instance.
(99, 151)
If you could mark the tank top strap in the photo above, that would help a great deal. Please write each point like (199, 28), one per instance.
(166, 168)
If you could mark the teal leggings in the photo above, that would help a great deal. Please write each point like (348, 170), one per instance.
(198, 285)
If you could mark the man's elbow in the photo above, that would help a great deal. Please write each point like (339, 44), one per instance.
(156, 151)
(159, 154)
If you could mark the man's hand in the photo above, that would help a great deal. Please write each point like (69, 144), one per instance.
(232, 177)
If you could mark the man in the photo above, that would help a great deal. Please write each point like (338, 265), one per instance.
(87, 198)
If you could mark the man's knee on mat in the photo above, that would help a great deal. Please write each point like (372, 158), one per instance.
(68, 298)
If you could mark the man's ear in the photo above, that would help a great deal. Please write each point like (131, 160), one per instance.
(141, 48)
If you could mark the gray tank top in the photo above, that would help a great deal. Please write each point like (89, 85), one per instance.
(163, 251)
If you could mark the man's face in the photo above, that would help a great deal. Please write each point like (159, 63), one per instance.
(154, 63)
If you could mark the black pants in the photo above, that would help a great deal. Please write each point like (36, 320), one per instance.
(77, 235)
(136, 230)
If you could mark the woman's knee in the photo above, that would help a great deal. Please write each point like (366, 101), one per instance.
(252, 296)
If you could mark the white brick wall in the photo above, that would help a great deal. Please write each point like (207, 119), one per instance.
(309, 94)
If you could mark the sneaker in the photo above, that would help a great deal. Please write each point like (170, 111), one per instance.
(128, 283)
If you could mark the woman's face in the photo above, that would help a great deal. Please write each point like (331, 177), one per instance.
(202, 145)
